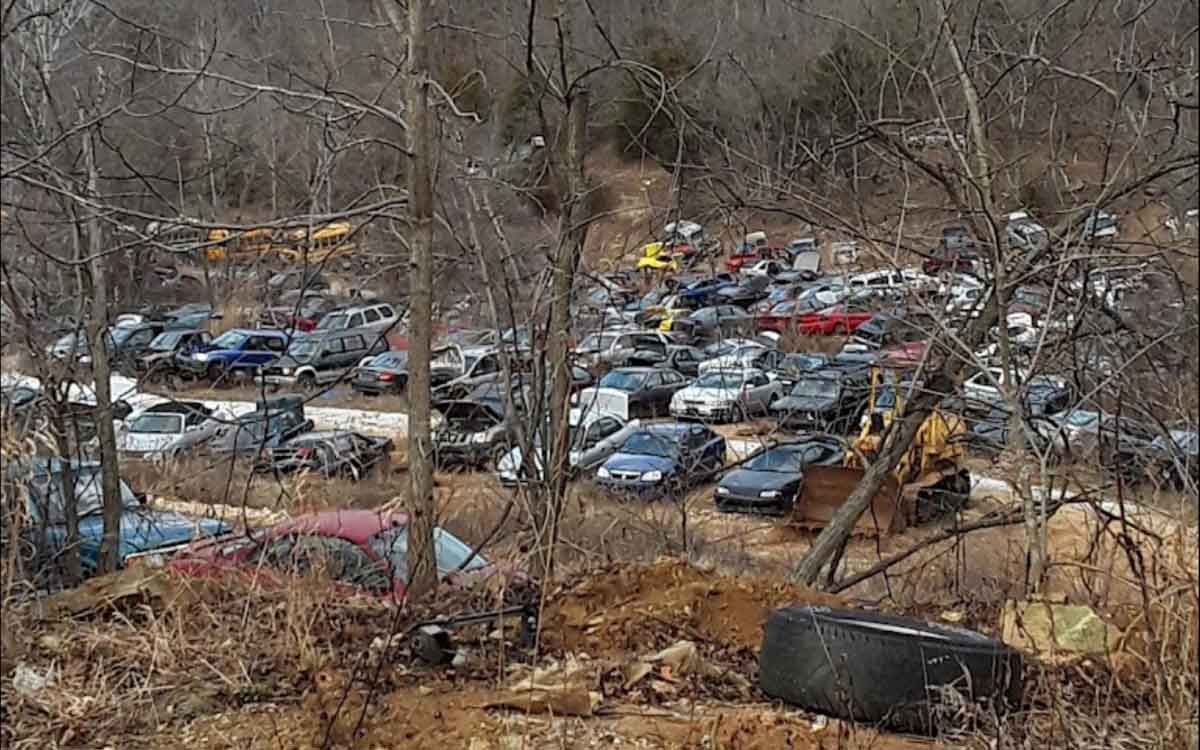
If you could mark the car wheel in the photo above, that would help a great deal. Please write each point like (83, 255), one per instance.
(307, 381)
(215, 372)
(879, 669)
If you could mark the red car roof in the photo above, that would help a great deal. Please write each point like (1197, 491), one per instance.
(354, 525)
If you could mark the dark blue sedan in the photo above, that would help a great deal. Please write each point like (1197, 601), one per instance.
(662, 459)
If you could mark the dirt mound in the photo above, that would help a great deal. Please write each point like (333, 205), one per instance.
(631, 609)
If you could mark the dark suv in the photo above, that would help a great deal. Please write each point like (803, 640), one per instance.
(323, 357)
(830, 400)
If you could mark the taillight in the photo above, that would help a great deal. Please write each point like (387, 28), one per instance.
(305, 452)
(385, 376)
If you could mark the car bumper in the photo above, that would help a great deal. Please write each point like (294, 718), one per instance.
(191, 366)
(279, 380)
(737, 503)
(635, 487)
(373, 389)
(462, 454)
(703, 411)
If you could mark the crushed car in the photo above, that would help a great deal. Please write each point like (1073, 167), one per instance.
(334, 453)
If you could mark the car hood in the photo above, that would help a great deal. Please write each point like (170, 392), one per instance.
(805, 403)
(749, 481)
(469, 416)
(695, 393)
(143, 530)
(639, 462)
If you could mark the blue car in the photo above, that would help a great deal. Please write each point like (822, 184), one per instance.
(704, 292)
(237, 351)
(663, 459)
(142, 529)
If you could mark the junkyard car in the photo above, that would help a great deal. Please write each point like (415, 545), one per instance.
(168, 430)
(726, 395)
(594, 437)
(383, 373)
(474, 432)
(770, 481)
(322, 357)
(663, 458)
(332, 453)
(273, 421)
(829, 400)
(141, 528)
(635, 391)
(238, 351)
(157, 362)
(361, 552)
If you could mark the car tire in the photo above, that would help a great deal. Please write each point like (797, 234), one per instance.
(214, 373)
(306, 381)
(883, 670)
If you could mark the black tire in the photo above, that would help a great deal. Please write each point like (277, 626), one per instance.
(214, 372)
(881, 670)
(306, 381)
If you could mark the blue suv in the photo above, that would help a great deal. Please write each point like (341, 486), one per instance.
(240, 351)
(663, 459)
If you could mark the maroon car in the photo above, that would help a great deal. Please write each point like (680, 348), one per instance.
(363, 551)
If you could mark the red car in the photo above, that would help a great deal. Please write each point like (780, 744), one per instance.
(363, 551)
(750, 256)
(836, 320)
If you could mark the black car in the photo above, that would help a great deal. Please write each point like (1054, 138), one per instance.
(715, 322)
(157, 362)
(769, 482)
(475, 432)
(647, 389)
(824, 401)
(273, 421)
(26, 408)
(331, 454)
(383, 373)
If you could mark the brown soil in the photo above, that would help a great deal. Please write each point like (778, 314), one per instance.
(629, 610)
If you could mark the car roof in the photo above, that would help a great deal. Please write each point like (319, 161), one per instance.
(176, 407)
(670, 429)
(635, 370)
(355, 525)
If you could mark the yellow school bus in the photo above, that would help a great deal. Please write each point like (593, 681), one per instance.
(330, 241)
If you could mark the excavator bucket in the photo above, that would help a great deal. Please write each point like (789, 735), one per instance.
(826, 488)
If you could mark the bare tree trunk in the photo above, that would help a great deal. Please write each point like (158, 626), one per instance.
(98, 338)
(572, 234)
(421, 562)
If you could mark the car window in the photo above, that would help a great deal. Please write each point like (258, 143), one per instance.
(353, 343)
(387, 311)
(356, 320)
(275, 344)
(487, 365)
(371, 315)
(339, 559)
(141, 338)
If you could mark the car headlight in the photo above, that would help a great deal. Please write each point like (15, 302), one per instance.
(286, 371)
(603, 473)
(722, 490)
(769, 493)
(200, 356)
(479, 438)
(652, 476)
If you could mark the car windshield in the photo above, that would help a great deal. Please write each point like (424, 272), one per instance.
(623, 381)
(1079, 418)
(784, 459)
(649, 444)
(302, 350)
(230, 340)
(120, 334)
(89, 497)
(392, 545)
(167, 341)
(157, 424)
(816, 388)
(598, 342)
(802, 362)
(728, 380)
(333, 321)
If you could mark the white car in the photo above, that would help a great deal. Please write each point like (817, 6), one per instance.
(727, 395)
(768, 268)
(166, 430)
(746, 357)
(595, 435)
(1024, 233)
(891, 282)
(980, 386)
(1101, 226)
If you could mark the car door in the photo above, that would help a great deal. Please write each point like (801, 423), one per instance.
(709, 450)
(354, 348)
(761, 389)
(137, 342)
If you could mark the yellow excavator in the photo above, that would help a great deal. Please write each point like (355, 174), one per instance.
(929, 482)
